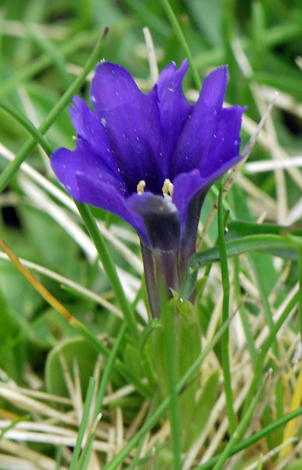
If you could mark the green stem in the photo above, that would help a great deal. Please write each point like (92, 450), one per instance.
(11, 169)
(86, 452)
(243, 315)
(108, 370)
(109, 269)
(83, 425)
(225, 358)
(28, 126)
(259, 467)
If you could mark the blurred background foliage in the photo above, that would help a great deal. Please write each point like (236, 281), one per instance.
(43, 45)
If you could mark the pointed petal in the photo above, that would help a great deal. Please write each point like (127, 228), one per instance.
(201, 126)
(66, 163)
(226, 144)
(189, 192)
(131, 121)
(214, 88)
(61, 162)
(89, 128)
(186, 185)
(90, 183)
(107, 197)
(173, 106)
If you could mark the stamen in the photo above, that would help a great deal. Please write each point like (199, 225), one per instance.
(168, 188)
(141, 187)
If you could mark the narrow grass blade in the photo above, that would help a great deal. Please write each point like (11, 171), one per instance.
(28, 126)
(109, 268)
(253, 439)
(240, 429)
(225, 316)
(182, 41)
(267, 345)
(84, 422)
(108, 370)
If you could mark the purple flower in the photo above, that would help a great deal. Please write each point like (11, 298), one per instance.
(150, 159)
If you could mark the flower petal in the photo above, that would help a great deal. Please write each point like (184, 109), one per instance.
(189, 192)
(66, 163)
(61, 163)
(186, 185)
(201, 126)
(107, 197)
(226, 144)
(90, 183)
(132, 123)
(173, 106)
(90, 129)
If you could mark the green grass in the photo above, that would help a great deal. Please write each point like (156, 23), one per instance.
(166, 403)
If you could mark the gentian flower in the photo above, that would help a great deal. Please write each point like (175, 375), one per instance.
(150, 159)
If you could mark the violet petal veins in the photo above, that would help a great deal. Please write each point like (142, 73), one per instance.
(150, 159)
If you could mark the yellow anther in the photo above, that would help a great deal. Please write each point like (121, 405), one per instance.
(168, 188)
(141, 187)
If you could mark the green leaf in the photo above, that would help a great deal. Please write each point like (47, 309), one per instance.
(269, 243)
(74, 349)
(259, 467)
(239, 227)
(186, 331)
(132, 360)
(273, 244)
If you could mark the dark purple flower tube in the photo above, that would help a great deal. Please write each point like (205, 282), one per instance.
(150, 159)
